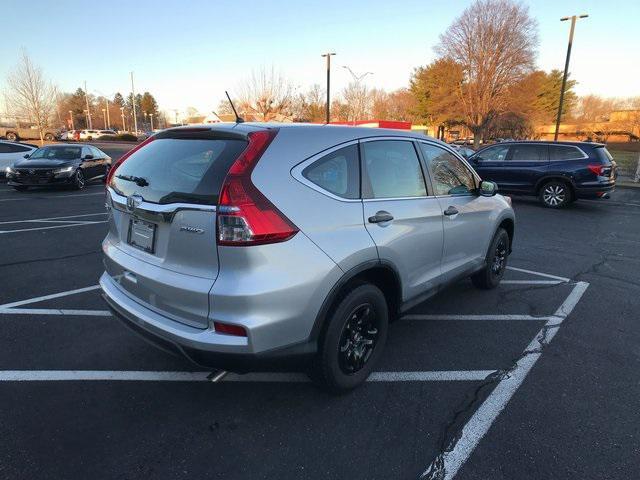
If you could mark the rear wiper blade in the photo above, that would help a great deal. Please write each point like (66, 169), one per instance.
(140, 181)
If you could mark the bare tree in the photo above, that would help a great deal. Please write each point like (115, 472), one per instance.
(266, 96)
(494, 41)
(357, 99)
(30, 95)
(310, 106)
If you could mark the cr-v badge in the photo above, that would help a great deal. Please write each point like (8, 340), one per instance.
(187, 228)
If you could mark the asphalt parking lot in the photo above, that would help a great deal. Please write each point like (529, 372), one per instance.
(537, 379)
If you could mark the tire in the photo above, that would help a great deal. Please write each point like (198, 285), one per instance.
(49, 137)
(20, 188)
(555, 194)
(495, 264)
(345, 355)
(12, 137)
(78, 180)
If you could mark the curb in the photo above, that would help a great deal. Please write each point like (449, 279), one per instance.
(627, 185)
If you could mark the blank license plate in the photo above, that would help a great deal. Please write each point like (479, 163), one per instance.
(142, 235)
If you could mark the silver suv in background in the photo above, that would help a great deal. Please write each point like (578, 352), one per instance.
(258, 247)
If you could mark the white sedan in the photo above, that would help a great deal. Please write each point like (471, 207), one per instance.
(11, 152)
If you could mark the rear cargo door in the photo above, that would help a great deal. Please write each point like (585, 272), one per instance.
(161, 246)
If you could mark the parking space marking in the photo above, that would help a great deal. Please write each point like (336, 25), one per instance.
(539, 274)
(447, 464)
(487, 317)
(66, 221)
(50, 196)
(49, 297)
(46, 219)
(157, 376)
(531, 282)
(54, 311)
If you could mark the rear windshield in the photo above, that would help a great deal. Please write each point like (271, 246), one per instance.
(604, 154)
(173, 170)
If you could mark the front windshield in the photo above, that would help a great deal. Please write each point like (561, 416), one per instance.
(56, 153)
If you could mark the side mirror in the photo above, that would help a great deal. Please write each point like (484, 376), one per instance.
(488, 189)
(88, 157)
(27, 155)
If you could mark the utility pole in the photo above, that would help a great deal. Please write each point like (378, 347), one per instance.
(566, 69)
(106, 105)
(151, 117)
(133, 101)
(71, 118)
(328, 56)
(104, 118)
(86, 98)
(124, 126)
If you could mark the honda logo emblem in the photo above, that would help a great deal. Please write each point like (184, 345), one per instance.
(133, 202)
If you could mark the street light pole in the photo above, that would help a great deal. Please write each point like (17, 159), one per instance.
(104, 118)
(356, 79)
(328, 110)
(86, 98)
(71, 118)
(151, 117)
(106, 104)
(124, 126)
(566, 69)
(133, 102)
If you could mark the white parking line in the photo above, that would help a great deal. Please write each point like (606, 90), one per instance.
(54, 311)
(53, 218)
(540, 274)
(49, 297)
(531, 282)
(80, 224)
(447, 464)
(54, 196)
(488, 317)
(155, 376)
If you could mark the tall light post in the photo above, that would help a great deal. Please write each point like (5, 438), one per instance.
(71, 119)
(86, 99)
(124, 126)
(145, 118)
(566, 69)
(106, 106)
(151, 117)
(133, 102)
(356, 79)
(104, 118)
(328, 56)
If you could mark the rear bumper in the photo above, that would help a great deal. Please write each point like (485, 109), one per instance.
(595, 189)
(204, 347)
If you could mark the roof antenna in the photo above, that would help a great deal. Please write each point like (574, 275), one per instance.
(238, 118)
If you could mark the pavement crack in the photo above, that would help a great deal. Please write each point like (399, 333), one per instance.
(50, 259)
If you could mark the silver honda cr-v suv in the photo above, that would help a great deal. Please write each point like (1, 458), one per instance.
(259, 247)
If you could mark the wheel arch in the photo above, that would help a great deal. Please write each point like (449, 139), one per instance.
(509, 225)
(379, 273)
(556, 177)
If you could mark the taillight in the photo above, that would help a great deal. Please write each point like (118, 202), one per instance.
(597, 169)
(113, 168)
(245, 216)
(229, 329)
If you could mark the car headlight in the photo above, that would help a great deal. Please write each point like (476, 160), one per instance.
(63, 170)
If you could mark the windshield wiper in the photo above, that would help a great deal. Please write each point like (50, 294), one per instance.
(140, 181)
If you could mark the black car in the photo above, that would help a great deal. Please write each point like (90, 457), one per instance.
(62, 164)
(558, 173)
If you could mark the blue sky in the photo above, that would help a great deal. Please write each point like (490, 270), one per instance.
(187, 53)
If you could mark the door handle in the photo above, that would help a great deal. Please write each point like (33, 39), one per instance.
(451, 211)
(380, 217)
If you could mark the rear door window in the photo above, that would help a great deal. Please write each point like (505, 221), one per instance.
(564, 152)
(338, 172)
(528, 153)
(493, 154)
(172, 170)
(391, 169)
